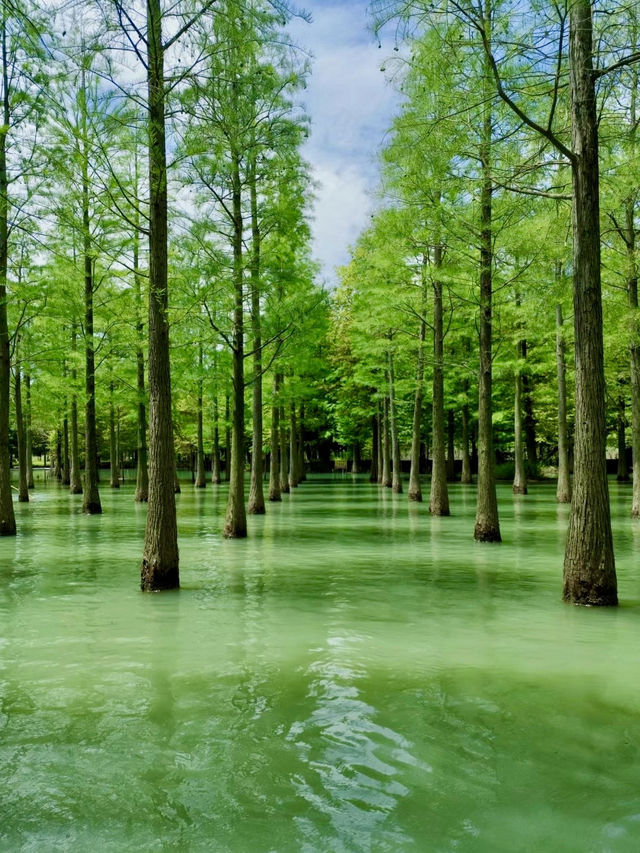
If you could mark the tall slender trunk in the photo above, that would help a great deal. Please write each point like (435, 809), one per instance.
(91, 503)
(7, 515)
(396, 482)
(487, 527)
(589, 565)
(114, 467)
(375, 449)
(29, 438)
(529, 419)
(451, 456)
(520, 475)
(380, 428)
(160, 560)
(415, 489)
(23, 491)
(632, 294)
(201, 477)
(256, 493)
(563, 491)
(227, 438)
(284, 454)
(355, 457)
(293, 447)
(215, 453)
(75, 484)
(300, 471)
(142, 468)
(235, 524)
(386, 446)
(66, 467)
(274, 468)
(439, 494)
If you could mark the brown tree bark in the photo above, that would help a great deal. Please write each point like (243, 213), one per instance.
(215, 452)
(23, 491)
(396, 482)
(520, 475)
(28, 434)
(386, 446)
(201, 476)
(284, 452)
(563, 491)
(375, 449)
(274, 467)
(75, 479)
(160, 560)
(623, 470)
(114, 478)
(415, 489)
(293, 447)
(465, 477)
(439, 494)
(589, 565)
(256, 492)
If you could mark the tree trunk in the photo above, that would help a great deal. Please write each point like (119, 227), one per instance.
(201, 476)
(396, 483)
(227, 438)
(529, 419)
(415, 489)
(160, 560)
(563, 491)
(487, 527)
(293, 448)
(520, 476)
(235, 525)
(300, 472)
(274, 467)
(284, 454)
(215, 453)
(451, 454)
(7, 515)
(30, 481)
(91, 503)
(466, 459)
(386, 446)
(256, 493)
(23, 491)
(375, 449)
(66, 467)
(589, 565)
(114, 479)
(439, 495)
(355, 457)
(75, 484)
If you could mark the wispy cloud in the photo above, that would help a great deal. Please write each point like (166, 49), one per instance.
(351, 108)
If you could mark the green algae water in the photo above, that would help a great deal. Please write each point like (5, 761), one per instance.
(355, 676)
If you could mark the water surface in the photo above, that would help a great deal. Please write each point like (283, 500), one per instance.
(355, 676)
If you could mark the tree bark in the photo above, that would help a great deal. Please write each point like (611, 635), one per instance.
(465, 477)
(160, 560)
(235, 525)
(623, 471)
(75, 479)
(227, 438)
(91, 503)
(386, 446)
(293, 447)
(28, 437)
(487, 527)
(563, 491)
(589, 565)
(114, 479)
(284, 453)
(23, 491)
(256, 493)
(375, 449)
(215, 453)
(274, 467)
(396, 482)
(439, 494)
(520, 475)
(451, 454)
(415, 489)
(201, 477)
(7, 515)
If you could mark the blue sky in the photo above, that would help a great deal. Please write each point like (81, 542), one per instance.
(351, 107)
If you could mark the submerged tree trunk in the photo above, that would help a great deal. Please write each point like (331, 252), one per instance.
(465, 477)
(293, 448)
(23, 491)
(375, 450)
(520, 475)
(274, 468)
(75, 484)
(439, 494)
(396, 483)
(215, 452)
(256, 493)
(7, 515)
(563, 491)
(589, 565)
(415, 489)
(451, 454)
(284, 453)
(114, 480)
(386, 446)
(66, 468)
(160, 560)
(28, 434)
(487, 527)
(235, 525)
(300, 468)
(201, 476)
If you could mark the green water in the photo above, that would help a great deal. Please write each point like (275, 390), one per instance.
(356, 676)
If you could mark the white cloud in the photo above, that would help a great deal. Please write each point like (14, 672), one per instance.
(351, 108)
